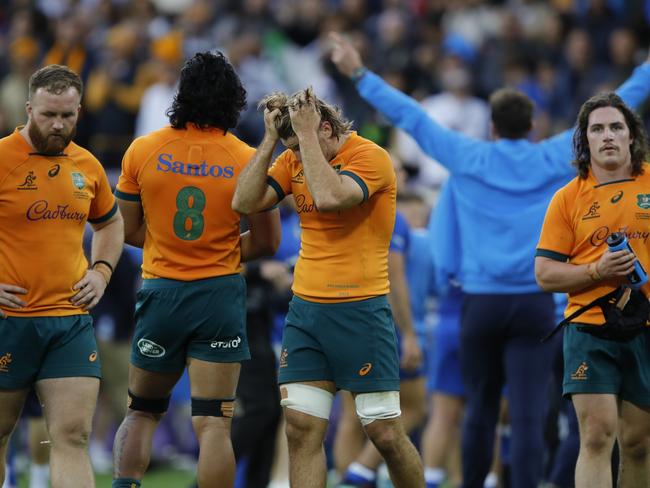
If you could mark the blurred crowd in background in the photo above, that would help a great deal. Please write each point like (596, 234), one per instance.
(128, 53)
(450, 54)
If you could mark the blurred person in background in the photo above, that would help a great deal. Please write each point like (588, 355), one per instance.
(455, 107)
(257, 417)
(166, 59)
(505, 312)
(114, 93)
(51, 188)
(70, 47)
(175, 190)
(114, 325)
(23, 56)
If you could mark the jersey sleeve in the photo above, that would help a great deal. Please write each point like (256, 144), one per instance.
(557, 237)
(103, 206)
(279, 176)
(372, 169)
(127, 185)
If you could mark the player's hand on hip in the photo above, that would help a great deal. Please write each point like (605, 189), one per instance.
(91, 289)
(8, 298)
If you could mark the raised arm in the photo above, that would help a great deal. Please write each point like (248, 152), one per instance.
(636, 88)
(634, 91)
(404, 112)
(253, 193)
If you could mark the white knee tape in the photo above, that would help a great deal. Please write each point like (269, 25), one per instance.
(377, 406)
(307, 399)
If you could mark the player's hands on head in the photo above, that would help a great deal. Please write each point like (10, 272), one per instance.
(8, 298)
(269, 122)
(90, 290)
(344, 55)
(305, 116)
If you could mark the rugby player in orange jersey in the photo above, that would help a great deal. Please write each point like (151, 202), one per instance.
(339, 332)
(606, 376)
(49, 189)
(175, 191)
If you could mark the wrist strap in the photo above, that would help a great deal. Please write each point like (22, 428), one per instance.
(104, 268)
(105, 263)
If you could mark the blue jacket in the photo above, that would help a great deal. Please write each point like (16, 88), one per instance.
(501, 188)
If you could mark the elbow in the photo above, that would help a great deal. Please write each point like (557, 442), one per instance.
(543, 281)
(241, 208)
(238, 206)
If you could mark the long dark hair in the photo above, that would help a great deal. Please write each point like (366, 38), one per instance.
(210, 94)
(638, 148)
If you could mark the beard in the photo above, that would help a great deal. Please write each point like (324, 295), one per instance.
(50, 144)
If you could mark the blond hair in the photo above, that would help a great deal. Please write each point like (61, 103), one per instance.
(282, 101)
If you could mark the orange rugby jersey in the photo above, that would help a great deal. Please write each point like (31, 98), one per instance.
(580, 217)
(344, 254)
(45, 202)
(185, 180)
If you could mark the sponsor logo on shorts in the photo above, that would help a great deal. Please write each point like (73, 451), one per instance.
(581, 372)
(93, 357)
(230, 343)
(4, 362)
(283, 358)
(150, 348)
(365, 369)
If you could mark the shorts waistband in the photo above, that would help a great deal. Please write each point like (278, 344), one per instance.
(158, 283)
(353, 304)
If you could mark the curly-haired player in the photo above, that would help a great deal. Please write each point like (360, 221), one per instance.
(175, 191)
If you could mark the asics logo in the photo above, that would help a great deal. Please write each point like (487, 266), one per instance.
(365, 369)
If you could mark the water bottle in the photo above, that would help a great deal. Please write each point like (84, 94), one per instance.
(617, 242)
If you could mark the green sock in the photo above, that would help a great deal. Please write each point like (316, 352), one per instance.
(125, 483)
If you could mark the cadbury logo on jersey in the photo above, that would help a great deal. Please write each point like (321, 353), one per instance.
(166, 164)
(41, 210)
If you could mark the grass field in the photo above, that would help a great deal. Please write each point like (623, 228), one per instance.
(158, 478)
